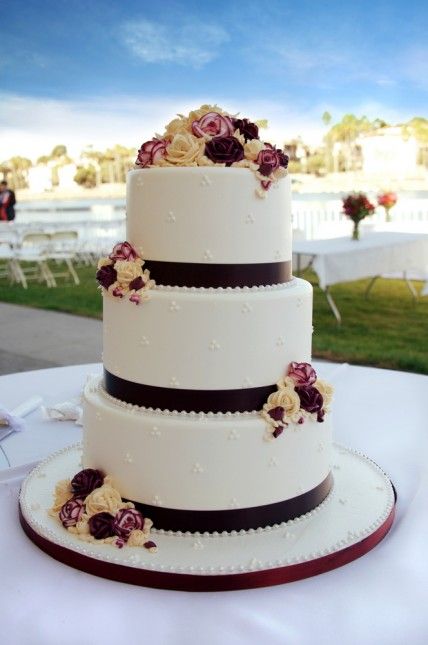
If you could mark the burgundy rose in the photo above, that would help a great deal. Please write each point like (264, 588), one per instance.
(149, 544)
(86, 481)
(106, 276)
(303, 374)
(118, 292)
(268, 161)
(225, 150)
(127, 520)
(279, 430)
(123, 251)
(71, 512)
(276, 413)
(101, 525)
(151, 151)
(214, 124)
(135, 298)
(311, 400)
(246, 128)
(283, 158)
(137, 283)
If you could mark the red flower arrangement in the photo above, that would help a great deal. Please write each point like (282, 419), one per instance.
(357, 206)
(387, 200)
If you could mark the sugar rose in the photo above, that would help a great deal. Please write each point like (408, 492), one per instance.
(123, 251)
(151, 152)
(127, 272)
(176, 126)
(252, 149)
(185, 149)
(288, 399)
(105, 499)
(63, 493)
(303, 374)
(214, 125)
(326, 390)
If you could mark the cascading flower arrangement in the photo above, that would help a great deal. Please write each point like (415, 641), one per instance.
(387, 199)
(90, 507)
(357, 206)
(210, 136)
(121, 274)
(300, 395)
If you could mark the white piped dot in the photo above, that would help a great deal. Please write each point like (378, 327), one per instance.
(273, 462)
(250, 219)
(280, 341)
(171, 218)
(205, 181)
(174, 306)
(173, 382)
(197, 468)
(198, 545)
(233, 504)
(128, 459)
(207, 255)
(214, 345)
(157, 500)
(247, 382)
(246, 308)
(155, 432)
(233, 435)
(144, 341)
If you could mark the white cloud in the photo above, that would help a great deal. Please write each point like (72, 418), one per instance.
(191, 43)
(32, 126)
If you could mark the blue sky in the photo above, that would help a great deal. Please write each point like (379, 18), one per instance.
(102, 71)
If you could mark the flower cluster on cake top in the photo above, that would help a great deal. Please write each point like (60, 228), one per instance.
(90, 507)
(300, 395)
(210, 136)
(121, 274)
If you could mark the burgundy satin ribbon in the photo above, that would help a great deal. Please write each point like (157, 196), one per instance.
(169, 398)
(236, 519)
(189, 274)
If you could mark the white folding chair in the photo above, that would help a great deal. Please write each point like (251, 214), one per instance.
(63, 249)
(33, 251)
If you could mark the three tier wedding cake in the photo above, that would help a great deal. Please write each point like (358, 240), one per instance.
(207, 441)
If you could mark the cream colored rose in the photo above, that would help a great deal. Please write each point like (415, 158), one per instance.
(176, 126)
(185, 149)
(252, 149)
(326, 390)
(103, 499)
(286, 381)
(104, 262)
(286, 398)
(62, 493)
(127, 272)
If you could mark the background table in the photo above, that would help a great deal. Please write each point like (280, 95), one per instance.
(380, 598)
(341, 259)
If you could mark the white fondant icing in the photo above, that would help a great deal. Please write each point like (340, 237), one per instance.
(209, 204)
(231, 469)
(178, 343)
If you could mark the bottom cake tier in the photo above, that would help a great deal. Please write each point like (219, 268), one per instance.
(206, 472)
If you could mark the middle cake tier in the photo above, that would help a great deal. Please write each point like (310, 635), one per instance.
(212, 341)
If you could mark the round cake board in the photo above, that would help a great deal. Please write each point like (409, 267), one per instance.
(356, 515)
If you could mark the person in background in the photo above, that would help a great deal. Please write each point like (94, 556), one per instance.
(7, 202)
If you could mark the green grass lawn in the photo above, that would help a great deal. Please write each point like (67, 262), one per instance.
(388, 330)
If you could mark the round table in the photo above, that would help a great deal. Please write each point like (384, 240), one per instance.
(380, 598)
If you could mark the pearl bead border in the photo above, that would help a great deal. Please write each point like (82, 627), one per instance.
(230, 290)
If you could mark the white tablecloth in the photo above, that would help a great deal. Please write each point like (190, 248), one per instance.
(343, 260)
(378, 599)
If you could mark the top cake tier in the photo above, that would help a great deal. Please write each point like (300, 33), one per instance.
(208, 215)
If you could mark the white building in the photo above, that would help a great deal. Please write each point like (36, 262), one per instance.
(388, 152)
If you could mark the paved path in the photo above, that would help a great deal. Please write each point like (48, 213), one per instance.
(33, 339)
